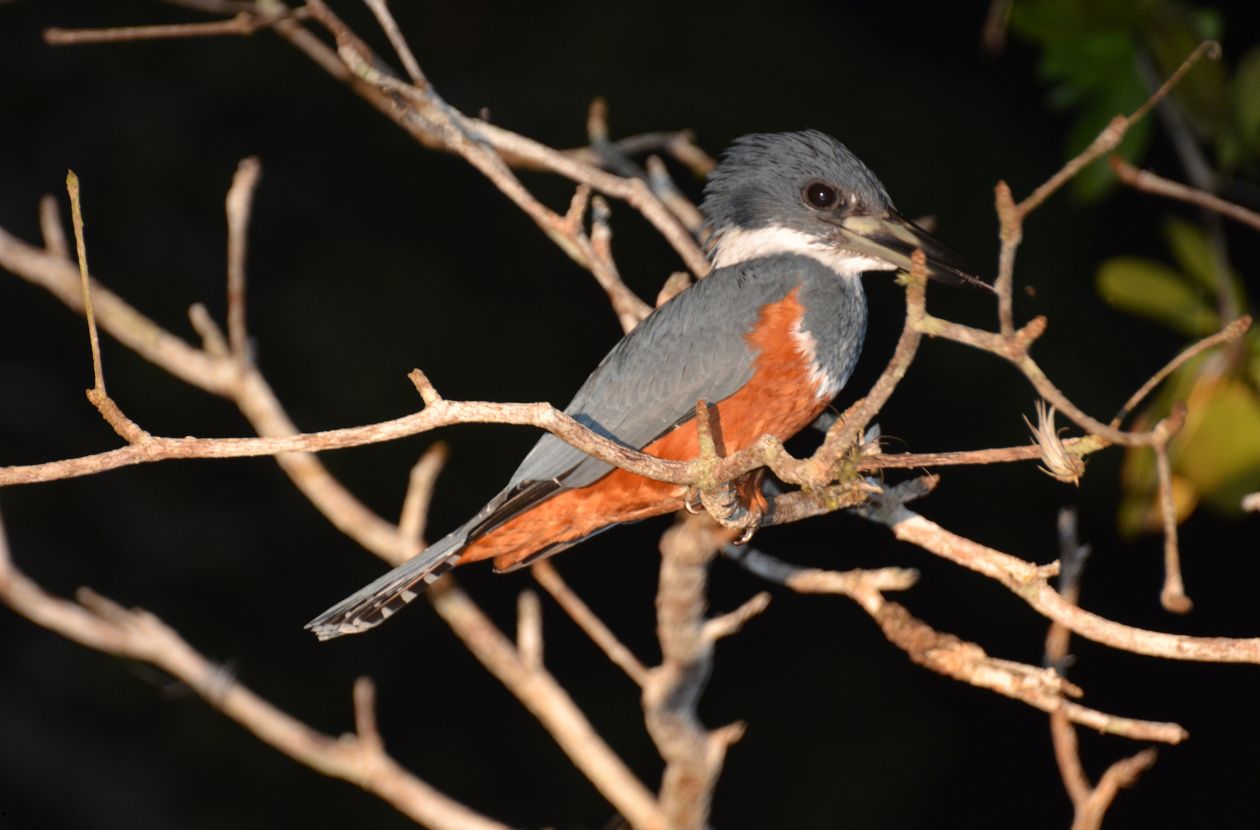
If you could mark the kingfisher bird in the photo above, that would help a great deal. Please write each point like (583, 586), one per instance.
(769, 337)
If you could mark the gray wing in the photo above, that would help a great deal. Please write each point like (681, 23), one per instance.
(692, 348)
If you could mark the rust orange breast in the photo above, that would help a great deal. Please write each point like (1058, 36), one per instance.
(780, 399)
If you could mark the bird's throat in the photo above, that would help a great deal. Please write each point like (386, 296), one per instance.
(734, 246)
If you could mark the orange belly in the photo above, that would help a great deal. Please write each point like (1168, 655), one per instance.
(780, 400)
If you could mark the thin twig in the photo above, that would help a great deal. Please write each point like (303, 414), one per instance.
(675, 284)
(996, 22)
(1173, 595)
(945, 653)
(1089, 803)
(1229, 334)
(1015, 350)
(1011, 233)
(420, 486)
(365, 729)
(396, 39)
(529, 636)
(551, 704)
(127, 429)
(51, 229)
(1011, 215)
(483, 145)
(240, 197)
(1112, 134)
(245, 23)
(1031, 584)
(1185, 142)
(76, 216)
(663, 186)
(1072, 555)
(1119, 775)
(630, 310)
(1067, 756)
(1149, 182)
(595, 628)
(843, 435)
(733, 622)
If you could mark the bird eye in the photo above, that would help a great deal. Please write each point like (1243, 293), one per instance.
(821, 196)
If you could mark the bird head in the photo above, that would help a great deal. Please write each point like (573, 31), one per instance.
(805, 193)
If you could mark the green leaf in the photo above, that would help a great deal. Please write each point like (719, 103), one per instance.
(1218, 450)
(1209, 24)
(1252, 341)
(1193, 252)
(1246, 102)
(1190, 247)
(1089, 62)
(1150, 289)
(1042, 20)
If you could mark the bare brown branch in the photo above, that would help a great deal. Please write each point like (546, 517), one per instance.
(420, 486)
(51, 229)
(548, 577)
(1015, 350)
(244, 23)
(551, 704)
(246, 387)
(1030, 583)
(240, 198)
(945, 653)
(1111, 136)
(100, 624)
(1173, 595)
(1149, 182)
(1119, 775)
(76, 215)
(844, 434)
(529, 636)
(1229, 334)
(1090, 803)
(693, 754)
(396, 39)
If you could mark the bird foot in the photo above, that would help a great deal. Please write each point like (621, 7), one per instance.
(729, 510)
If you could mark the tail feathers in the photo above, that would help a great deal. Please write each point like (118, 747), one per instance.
(378, 601)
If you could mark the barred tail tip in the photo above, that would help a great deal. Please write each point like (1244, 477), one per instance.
(369, 608)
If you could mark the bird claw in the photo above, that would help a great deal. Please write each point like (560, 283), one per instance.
(693, 502)
(750, 529)
(729, 510)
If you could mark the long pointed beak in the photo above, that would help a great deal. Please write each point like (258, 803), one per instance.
(893, 238)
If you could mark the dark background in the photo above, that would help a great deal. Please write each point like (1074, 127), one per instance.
(370, 256)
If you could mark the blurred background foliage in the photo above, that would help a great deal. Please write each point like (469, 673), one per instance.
(1103, 58)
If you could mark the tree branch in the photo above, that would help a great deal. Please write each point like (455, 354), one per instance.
(693, 754)
(548, 577)
(1031, 583)
(944, 653)
(101, 624)
(1149, 182)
